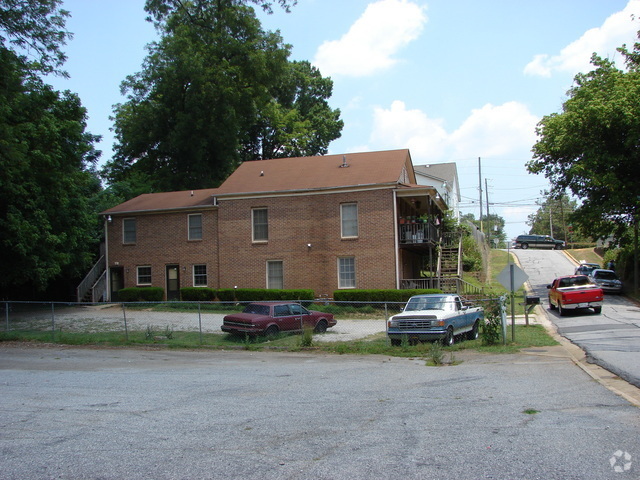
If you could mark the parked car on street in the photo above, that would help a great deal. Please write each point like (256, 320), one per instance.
(538, 241)
(573, 292)
(607, 280)
(586, 268)
(271, 318)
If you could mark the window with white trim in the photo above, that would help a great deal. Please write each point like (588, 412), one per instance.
(275, 274)
(349, 220)
(199, 275)
(195, 226)
(347, 272)
(144, 275)
(260, 224)
(129, 230)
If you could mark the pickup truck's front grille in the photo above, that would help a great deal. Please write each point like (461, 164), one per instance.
(413, 323)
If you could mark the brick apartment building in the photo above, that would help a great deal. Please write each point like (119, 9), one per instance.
(324, 223)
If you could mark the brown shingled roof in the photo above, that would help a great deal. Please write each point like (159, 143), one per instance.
(286, 174)
(318, 172)
(166, 201)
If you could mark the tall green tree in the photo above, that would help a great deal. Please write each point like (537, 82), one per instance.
(592, 148)
(555, 217)
(216, 90)
(35, 31)
(47, 225)
(298, 121)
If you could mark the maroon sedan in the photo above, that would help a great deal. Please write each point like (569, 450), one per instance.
(270, 318)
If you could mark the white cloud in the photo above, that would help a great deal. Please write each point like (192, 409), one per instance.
(370, 44)
(619, 28)
(489, 131)
(493, 131)
(398, 127)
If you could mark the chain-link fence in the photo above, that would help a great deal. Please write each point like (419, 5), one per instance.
(355, 320)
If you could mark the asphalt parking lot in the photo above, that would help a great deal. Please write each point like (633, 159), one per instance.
(70, 413)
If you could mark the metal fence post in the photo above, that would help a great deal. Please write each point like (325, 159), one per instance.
(200, 322)
(126, 330)
(6, 314)
(53, 323)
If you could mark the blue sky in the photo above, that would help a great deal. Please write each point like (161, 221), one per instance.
(452, 80)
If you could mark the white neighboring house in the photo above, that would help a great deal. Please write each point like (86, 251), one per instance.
(444, 178)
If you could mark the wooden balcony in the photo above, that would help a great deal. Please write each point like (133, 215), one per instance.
(419, 233)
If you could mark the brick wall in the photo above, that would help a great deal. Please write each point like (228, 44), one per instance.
(162, 239)
(232, 258)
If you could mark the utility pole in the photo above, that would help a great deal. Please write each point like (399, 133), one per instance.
(550, 219)
(480, 188)
(486, 192)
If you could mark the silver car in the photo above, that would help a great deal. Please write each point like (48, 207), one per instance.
(607, 280)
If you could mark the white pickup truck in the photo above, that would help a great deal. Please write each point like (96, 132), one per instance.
(435, 317)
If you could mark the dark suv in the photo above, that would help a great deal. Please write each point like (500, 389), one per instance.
(538, 241)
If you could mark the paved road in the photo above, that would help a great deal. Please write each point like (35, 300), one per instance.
(612, 339)
(111, 414)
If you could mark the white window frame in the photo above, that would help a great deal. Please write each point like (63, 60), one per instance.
(134, 232)
(138, 275)
(254, 212)
(200, 275)
(193, 230)
(351, 279)
(348, 224)
(270, 279)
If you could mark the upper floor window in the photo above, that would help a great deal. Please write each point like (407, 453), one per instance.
(129, 234)
(347, 272)
(144, 275)
(260, 224)
(349, 220)
(195, 226)
(199, 275)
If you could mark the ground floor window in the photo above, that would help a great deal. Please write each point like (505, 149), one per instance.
(144, 275)
(346, 272)
(275, 274)
(199, 275)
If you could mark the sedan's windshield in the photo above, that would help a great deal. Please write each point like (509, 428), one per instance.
(417, 304)
(606, 276)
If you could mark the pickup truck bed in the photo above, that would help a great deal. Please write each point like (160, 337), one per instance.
(574, 292)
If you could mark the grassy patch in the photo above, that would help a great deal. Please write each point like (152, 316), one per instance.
(587, 254)
(526, 337)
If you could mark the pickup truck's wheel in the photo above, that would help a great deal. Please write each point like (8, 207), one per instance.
(524, 246)
(558, 247)
(321, 327)
(551, 305)
(448, 339)
(473, 334)
(597, 310)
(561, 310)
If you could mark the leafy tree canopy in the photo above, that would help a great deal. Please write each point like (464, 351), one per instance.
(48, 226)
(555, 217)
(214, 91)
(592, 148)
(35, 30)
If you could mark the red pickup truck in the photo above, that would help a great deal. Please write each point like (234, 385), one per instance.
(573, 292)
